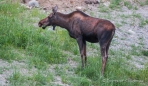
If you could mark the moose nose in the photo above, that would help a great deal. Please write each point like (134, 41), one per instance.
(39, 24)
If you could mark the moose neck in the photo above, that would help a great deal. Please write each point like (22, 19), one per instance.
(62, 20)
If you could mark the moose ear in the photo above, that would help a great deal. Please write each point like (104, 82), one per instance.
(54, 9)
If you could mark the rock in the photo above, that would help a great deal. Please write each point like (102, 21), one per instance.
(91, 1)
(79, 7)
(130, 31)
(25, 6)
(107, 3)
(25, 1)
(33, 3)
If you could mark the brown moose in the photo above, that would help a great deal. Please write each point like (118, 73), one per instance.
(83, 28)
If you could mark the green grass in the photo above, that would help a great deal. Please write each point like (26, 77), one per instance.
(142, 3)
(128, 5)
(103, 8)
(145, 52)
(18, 34)
(118, 25)
(143, 22)
(136, 15)
(40, 49)
(37, 79)
(118, 73)
(16, 79)
(146, 2)
(114, 4)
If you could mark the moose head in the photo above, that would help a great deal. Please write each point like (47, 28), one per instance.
(50, 20)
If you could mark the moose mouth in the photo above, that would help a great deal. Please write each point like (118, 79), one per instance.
(42, 26)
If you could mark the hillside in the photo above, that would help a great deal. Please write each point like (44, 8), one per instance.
(31, 56)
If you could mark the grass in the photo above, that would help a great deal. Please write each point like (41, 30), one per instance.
(37, 79)
(46, 54)
(146, 2)
(135, 17)
(103, 8)
(117, 73)
(145, 52)
(143, 22)
(118, 25)
(114, 4)
(128, 5)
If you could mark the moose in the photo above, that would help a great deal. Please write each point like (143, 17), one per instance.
(83, 27)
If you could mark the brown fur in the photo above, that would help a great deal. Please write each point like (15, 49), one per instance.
(83, 28)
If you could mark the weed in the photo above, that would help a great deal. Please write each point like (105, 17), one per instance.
(35, 12)
(1, 70)
(19, 34)
(124, 16)
(142, 3)
(143, 22)
(135, 7)
(146, 2)
(123, 22)
(39, 78)
(92, 13)
(114, 3)
(135, 50)
(17, 79)
(136, 15)
(80, 81)
(128, 4)
(145, 52)
(118, 25)
(103, 8)
(10, 53)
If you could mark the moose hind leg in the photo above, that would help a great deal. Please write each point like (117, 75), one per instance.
(104, 45)
(104, 58)
(104, 53)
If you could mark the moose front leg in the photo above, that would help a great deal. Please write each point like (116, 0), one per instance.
(82, 49)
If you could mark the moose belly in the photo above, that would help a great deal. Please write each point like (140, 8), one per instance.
(91, 38)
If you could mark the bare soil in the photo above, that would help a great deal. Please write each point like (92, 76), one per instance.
(64, 5)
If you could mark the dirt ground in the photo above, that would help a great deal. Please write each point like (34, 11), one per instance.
(65, 5)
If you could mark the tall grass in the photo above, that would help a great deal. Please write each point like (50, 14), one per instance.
(16, 33)
(117, 73)
(37, 79)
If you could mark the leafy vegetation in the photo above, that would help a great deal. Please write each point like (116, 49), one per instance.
(146, 2)
(114, 3)
(128, 4)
